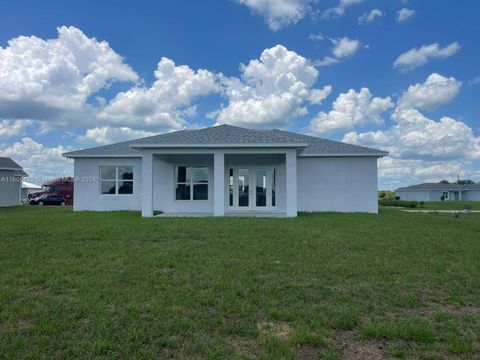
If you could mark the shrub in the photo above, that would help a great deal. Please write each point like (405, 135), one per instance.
(399, 203)
(386, 195)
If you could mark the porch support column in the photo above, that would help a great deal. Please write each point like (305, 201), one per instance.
(460, 195)
(147, 184)
(291, 182)
(219, 183)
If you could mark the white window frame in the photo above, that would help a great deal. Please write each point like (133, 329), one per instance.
(191, 183)
(116, 180)
(447, 193)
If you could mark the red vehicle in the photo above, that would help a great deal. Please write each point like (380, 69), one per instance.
(58, 186)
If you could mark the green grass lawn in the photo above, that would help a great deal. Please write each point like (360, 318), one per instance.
(451, 205)
(441, 205)
(117, 286)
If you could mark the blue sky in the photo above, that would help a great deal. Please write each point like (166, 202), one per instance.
(74, 75)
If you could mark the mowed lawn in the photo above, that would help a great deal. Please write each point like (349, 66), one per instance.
(451, 205)
(117, 286)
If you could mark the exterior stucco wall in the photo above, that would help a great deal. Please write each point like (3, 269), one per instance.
(10, 187)
(417, 195)
(343, 184)
(471, 195)
(87, 185)
(435, 195)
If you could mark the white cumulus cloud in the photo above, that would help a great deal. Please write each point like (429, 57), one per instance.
(318, 95)
(349, 110)
(13, 128)
(164, 105)
(345, 47)
(423, 149)
(435, 91)
(370, 17)
(109, 135)
(38, 160)
(394, 173)
(404, 14)
(416, 136)
(279, 13)
(342, 48)
(419, 56)
(47, 79)
(272, 90)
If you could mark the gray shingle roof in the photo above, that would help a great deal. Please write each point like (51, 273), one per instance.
(319, 146)
(231, 135)
(438, 186)
(7, 163)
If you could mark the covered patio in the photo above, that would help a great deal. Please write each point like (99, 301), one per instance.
(219, 182)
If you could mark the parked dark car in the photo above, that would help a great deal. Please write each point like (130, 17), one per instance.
(48, 199)
(58, 186)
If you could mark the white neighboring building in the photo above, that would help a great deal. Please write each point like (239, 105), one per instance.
(435, 191)
(10, 182)
(29, 188)
(227, 170)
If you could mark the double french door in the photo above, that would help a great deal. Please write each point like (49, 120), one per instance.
(251, 188)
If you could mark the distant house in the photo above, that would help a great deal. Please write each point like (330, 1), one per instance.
(11, 175)
(435, 192)
(227, 170)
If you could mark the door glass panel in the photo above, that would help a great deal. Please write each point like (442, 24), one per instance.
(230, 187)
(243, 187)
(273, 187)
(261, 187)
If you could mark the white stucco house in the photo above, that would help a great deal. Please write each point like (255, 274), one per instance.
(11, 175)
(435, 191)
(227, 170)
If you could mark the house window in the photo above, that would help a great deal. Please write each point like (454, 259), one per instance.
(191, 183)
(445, 195)
(116, 180)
